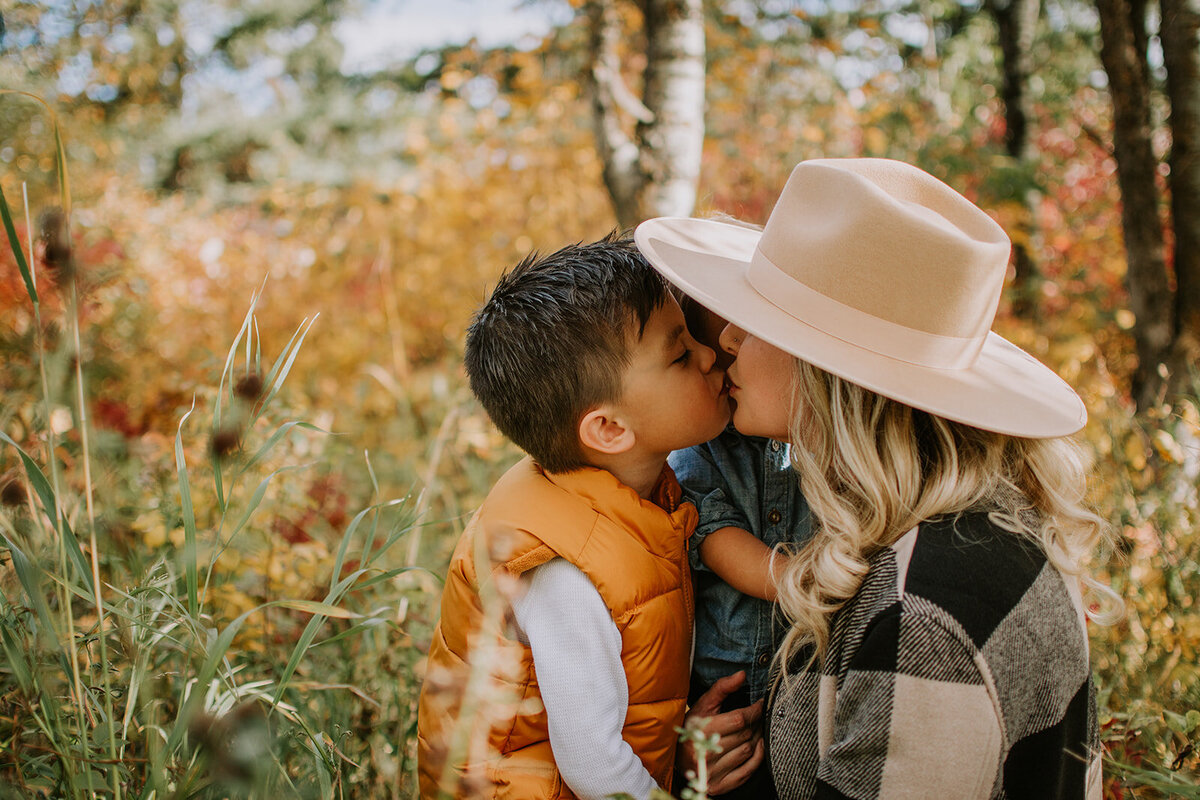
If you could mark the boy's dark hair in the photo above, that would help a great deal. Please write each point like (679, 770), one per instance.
(552, 342)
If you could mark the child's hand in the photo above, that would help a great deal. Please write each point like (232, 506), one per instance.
(741, 737)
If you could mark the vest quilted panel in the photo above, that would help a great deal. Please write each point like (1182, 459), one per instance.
(491, 717)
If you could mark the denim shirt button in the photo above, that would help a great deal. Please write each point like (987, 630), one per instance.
(775, 446)
(764, 659)
(774, 516)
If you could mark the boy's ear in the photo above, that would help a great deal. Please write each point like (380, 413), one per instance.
(602, 430)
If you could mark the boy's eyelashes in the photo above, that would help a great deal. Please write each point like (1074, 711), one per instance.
(685, 358)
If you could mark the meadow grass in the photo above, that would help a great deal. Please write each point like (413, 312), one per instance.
(132, 677)
(165, 634)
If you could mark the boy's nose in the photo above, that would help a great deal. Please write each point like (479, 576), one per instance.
(706, 357)
(731, 339)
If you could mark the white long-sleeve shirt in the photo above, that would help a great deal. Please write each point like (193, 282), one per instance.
(577, 653)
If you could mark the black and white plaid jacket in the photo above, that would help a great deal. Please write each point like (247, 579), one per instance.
(959, 670)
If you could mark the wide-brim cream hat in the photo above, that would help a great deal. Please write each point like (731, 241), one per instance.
(877, 272)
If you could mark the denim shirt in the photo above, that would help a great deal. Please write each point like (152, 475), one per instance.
(743, 482)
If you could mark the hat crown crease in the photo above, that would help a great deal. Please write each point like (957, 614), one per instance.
(828, 274)
(856, 327)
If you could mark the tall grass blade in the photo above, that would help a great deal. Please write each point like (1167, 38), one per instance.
(41, 487)
(344, 545)
(214, 657)
(18, 253)
(257, 498)
(387, 575)
(189, 520)
(15, 653)
(310, 632)
(283, 364)
(253, 504)
(30, 577)
(227, 370)
(279, 433)
(324, 609)
(220, 647)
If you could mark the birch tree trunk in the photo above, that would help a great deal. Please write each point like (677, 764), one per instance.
(651, 166)
(1180, 36)
(1122, 28)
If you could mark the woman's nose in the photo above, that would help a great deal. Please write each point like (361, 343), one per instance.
(731, 339)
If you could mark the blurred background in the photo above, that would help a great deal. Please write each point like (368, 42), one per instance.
(247, 237)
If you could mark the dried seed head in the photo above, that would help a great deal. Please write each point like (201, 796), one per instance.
(201, 726)
(225, 442)
(12, 493)
(56, 243)
(249, 387)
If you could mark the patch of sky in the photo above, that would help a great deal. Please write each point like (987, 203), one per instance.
(74, 75)
(102, 92)
(22, 38)
(908, 28)
(1080, 16)
(55, 23)
(287, 40)
(773, 30)
(426, 63)
(120, 40)
(480, 91)
(381, 99)
(390, 31)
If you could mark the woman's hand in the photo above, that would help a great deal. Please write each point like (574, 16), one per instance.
(741, 737)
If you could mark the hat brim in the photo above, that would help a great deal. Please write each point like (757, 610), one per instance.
(1005, 390)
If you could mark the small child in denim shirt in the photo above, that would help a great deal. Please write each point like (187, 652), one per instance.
(745, 483)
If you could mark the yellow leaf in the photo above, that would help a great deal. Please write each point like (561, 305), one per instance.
(876, 140)
(1167, 447)
(1135, 452)
(313, 607)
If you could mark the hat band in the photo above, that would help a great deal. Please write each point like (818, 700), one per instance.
(857, 327)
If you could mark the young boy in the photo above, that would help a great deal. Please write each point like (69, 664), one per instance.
(560, 665)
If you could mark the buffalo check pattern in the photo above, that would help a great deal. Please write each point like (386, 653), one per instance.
(959, 670)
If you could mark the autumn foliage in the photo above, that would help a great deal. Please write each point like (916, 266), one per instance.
(248, 470)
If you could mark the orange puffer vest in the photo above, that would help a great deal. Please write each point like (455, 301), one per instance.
(480, 710)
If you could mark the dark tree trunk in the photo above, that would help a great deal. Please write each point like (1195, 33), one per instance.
(1122, 28)
(1181, 54)
(1015, 22)
(652, 171)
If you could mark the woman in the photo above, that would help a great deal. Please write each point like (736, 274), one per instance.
(937, 645)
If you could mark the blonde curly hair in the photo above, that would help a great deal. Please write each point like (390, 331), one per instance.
(871, 468)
